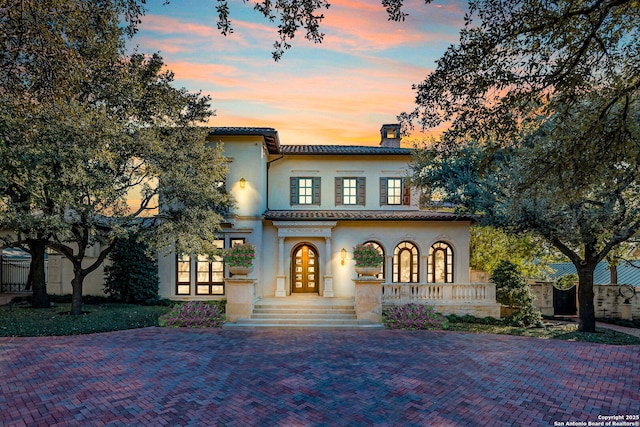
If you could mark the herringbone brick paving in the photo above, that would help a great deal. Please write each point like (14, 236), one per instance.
(169, 377)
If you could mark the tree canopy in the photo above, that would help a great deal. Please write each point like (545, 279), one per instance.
(542, 98)
(83, 126)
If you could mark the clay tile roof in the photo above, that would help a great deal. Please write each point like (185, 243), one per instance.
(370, 215)
(343, 150)
(270, 135)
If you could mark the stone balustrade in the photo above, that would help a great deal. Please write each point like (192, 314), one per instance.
(478, 299)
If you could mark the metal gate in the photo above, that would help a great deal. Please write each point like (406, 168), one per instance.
(564, 301)
(14, 275)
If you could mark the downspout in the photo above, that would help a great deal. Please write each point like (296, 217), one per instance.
(269, 167)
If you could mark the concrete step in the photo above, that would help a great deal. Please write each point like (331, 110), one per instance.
(288, 310)
(249, 325)
(280, 315)
(304, 306)
(325, 321)
(304, 313)
(293, 323)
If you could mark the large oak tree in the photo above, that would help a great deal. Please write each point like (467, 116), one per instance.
(542, 102)
(83, 127)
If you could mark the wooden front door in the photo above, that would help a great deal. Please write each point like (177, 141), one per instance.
(305, 270)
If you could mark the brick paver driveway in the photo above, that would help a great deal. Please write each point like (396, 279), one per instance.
(172, 377)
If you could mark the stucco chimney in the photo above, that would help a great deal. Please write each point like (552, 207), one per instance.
(390, 136)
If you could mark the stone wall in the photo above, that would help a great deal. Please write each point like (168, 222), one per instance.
(607, 300)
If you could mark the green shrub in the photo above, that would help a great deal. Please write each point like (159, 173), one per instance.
(132, 276)
(468, 318)
(413, 316)
(194, 314)
(512, 290)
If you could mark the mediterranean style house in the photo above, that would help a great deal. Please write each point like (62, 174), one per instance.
(305, 207)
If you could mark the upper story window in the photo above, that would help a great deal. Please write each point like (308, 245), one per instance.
(394, 191)
(304, 191)
(350, 191)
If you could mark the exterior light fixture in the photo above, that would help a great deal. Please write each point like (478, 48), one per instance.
(343, 254)
(243, 182)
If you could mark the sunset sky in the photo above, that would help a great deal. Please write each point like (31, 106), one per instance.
(337, 92)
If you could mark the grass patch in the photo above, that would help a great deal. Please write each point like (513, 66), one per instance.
(24, 321)
(560, 331)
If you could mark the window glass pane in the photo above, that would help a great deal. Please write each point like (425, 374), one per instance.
(349, 191)
(184, 268)
(405, 266)
(439, 267)
(394, 191)
(203, 289)
(217, 290)
(305, 191)
(183, 289)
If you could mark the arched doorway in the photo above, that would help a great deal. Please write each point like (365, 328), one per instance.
(304, 269)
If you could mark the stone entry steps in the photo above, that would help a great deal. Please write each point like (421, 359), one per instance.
(304, 312)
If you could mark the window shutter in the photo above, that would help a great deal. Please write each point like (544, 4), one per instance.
(383, 191)
(362, 190)
(293, 190)
(406, 193)
(316, 191)
(338, 191)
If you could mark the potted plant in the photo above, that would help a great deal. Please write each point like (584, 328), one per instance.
(368, 259)
(239, 258)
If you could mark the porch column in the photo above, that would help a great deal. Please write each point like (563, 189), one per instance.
(328, 277)
(280, 278)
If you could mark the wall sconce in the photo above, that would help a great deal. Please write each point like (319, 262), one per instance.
(243, 182)
(343, 255)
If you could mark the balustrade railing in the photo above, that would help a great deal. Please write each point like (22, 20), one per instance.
(406, 293)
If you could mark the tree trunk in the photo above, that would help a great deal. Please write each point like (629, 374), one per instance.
(76, 296)
(585, 297)
(37, 274)
(613, 274)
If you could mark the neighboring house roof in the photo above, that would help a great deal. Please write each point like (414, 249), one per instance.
(270, 135)
(272, 141)
(628, 273)
(15, 254)
(357, 150)
(371, 215)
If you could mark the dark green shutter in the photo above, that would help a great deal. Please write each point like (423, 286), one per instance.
(316, 191)
(383, 191)
(362, 191)
(293, 190)
(338, 192)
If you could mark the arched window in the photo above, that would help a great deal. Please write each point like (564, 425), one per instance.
(405, 263)
(377, 245)
(440, 264)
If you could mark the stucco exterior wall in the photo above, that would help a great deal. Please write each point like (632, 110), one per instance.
(346, 234)
(330, 167)
(60, 274)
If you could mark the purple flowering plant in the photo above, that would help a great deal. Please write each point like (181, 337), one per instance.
(240, 255)
(366, 255)
(413, 317)
(194, 314)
